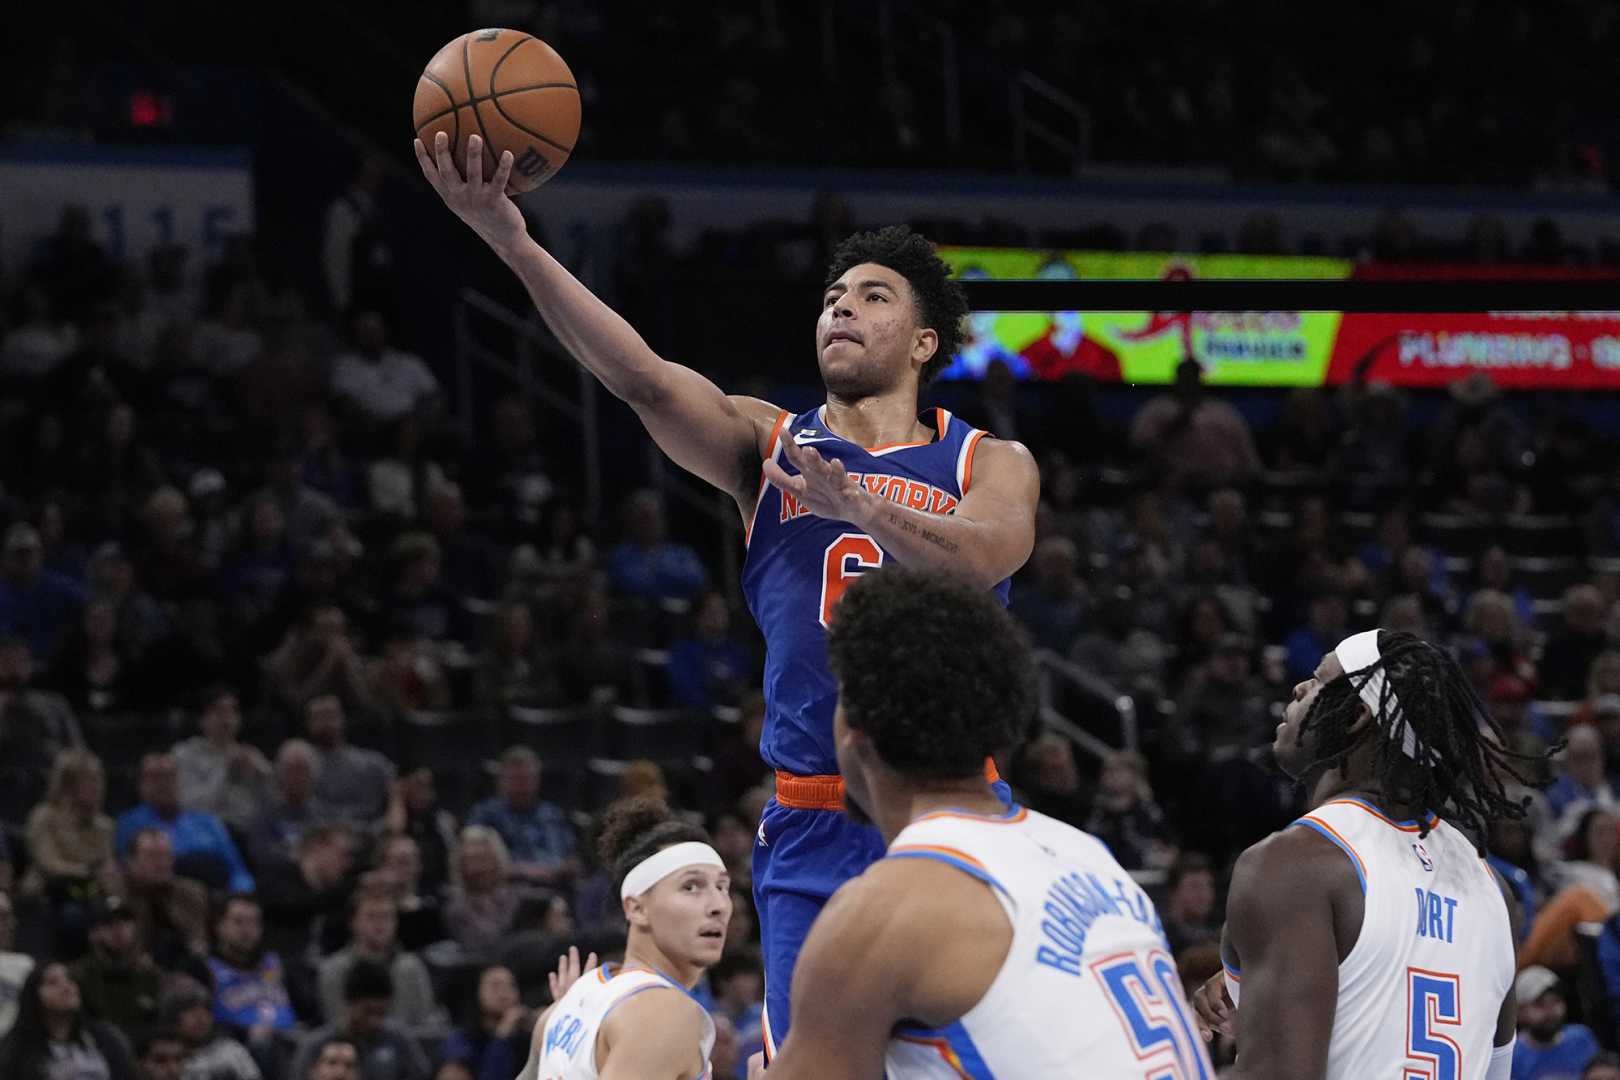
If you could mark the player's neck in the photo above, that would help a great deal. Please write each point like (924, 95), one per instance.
(642, 952)
(1333, 785)
(878, 420)
(907, 805)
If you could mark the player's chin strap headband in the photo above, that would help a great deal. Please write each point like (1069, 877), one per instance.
(1360, 651)
(660, 864)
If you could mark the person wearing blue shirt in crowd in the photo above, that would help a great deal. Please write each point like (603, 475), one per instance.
(494, 1044)
(1548, 1048)
(250, 984)
(536, 833)
(35, 603)
(709, 668)
(202, 847)
(1584, 781)
(647, 566)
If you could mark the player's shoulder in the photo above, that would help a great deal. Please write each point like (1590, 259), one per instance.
(1004, 464)
(1295, 861)
(655, 1004)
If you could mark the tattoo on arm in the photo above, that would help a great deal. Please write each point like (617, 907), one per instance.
(939, 540)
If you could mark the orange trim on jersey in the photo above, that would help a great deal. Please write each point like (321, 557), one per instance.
(941, 849)
(1433, 820)
(1348, 847)
(967, 464)
(946, 1051)
(896, 446)
(827, 792)
(988, 819)
(939, 421)
(770, 452)
(601, 973)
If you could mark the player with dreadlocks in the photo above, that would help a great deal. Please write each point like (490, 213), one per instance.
(1370, 938)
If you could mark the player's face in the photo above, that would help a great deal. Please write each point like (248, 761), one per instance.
(689, 911)
(867, 334)
(1292, 754)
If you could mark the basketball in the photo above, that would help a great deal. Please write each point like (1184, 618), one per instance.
(512, 89)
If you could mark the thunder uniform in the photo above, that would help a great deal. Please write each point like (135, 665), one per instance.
(568, 1049)
(797, 568)
(1420, 992)
(1088, 986)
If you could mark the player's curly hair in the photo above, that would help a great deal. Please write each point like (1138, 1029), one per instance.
(941, 303)
(633, 829)
(1463, 763)
(933, 669)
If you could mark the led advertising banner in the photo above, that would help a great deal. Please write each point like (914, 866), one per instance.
(1541, 349)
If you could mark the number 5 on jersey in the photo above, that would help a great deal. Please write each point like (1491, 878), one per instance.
(847, 558)
(1433, 1003)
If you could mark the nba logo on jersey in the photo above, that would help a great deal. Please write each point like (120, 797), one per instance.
(1423, 855)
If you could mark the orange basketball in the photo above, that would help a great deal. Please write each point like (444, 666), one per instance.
(513, 90)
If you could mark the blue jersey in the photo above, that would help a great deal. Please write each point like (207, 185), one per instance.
(798, 566)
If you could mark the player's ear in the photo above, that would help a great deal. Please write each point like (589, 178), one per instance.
(925, 345)
(1363, 718)
(635, 912)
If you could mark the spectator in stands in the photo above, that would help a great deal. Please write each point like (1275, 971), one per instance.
(414, 811)
(36, 603)
(1583, 781)
(1199, 440)
(142, 623)
(306, 513)
(516, 669)
(1490, 619)
(508, 472)
(419, 597)
(70, 845)
(202, 847)
(1189, 910)
(1493, 571)
(335, 1059)
(172, 910)
(592, 658)
(1053, 604)
(290, 808)
(408, 677)
(37, 341)
(53, 1037)
(1574, 643)
(92, 670)
(323, 470)
(120, 470)
(161, 1055)
(254, 575)
(1508, 699)
(483, 905)
(1324, 628)
(250, 982)
(118, 980)
(219, 774)
(305, 901)
(536, 834)
(187, 1009)
(708, 667)
(738, 985)
(1605, 1066)
(399, 875)
(352, 783)
(14, 966)
(1548, 1048)
(397, 481)
(1125, 817)
(318, 660)
(737, 766)
(1588, 892)
(374, 930)
(1048, 779)
(566, 553)
(1377, 449)
(647, 566)
(493, 1041)
(470, 564)
(382, 384)
(35, 726)
(384, 1050)
(1223, 705)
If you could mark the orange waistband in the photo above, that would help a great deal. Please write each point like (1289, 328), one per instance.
(827, 792)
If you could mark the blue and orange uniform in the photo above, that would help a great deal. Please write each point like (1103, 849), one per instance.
(797, 568)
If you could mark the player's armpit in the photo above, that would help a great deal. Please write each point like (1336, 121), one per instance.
(910, 940)
(653, 1035)
(716, 437)
(1280, 922)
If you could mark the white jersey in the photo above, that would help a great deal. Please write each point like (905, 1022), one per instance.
(568, 1045)
(1420, 992)
(1088, 986)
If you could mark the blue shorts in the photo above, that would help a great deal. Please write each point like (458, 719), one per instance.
(801, 857)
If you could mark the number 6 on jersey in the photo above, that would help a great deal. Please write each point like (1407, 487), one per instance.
(847, 558)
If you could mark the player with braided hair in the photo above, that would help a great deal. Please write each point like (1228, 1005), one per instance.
(639, 1020)
(1370, 938)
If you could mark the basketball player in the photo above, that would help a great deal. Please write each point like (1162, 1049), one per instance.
(1370, 938)
(639, 1021)
(824, 495)
(990, 941)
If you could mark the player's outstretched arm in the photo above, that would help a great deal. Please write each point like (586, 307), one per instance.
(1280, 923)
(653, 1035)
(715, 437)
(988, 538)
(910, 940)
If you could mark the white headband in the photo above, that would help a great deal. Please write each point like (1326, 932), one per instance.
(1360, 651)
(660, 864)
